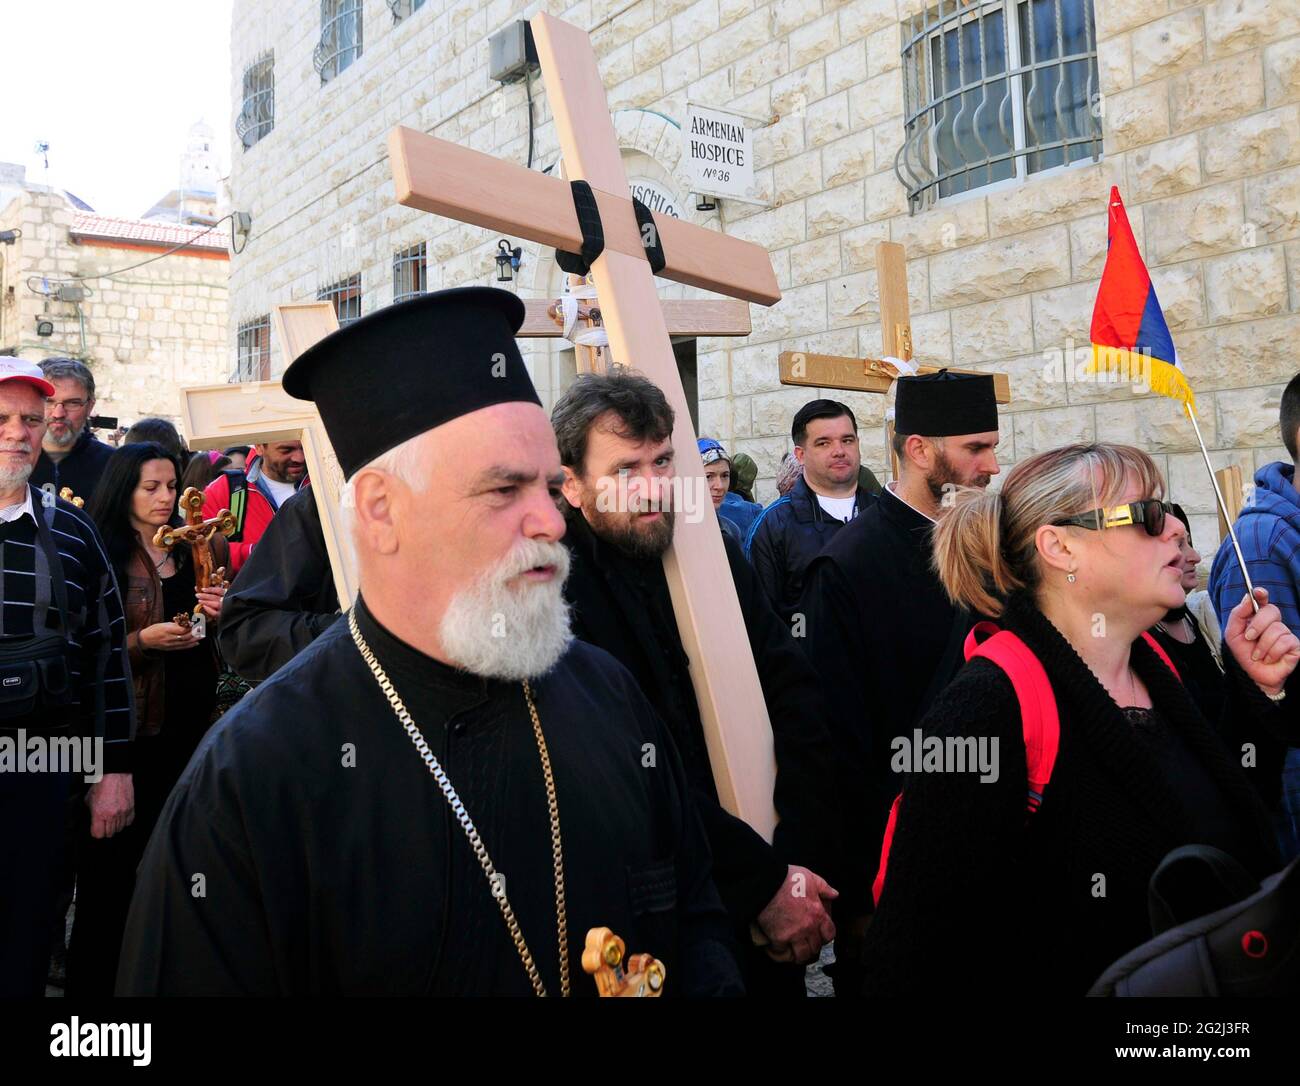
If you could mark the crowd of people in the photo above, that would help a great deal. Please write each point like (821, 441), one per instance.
(996, 711)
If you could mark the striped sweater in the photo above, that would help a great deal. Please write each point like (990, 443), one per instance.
(101, 677)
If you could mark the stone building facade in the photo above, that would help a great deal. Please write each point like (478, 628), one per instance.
(144, 332)
(1196, 105)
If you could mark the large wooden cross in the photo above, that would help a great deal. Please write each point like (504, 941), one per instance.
(875, 374)
(440, 177)
(255, 412)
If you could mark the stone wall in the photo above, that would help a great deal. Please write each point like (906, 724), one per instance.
(147, 332)
(1201, 119)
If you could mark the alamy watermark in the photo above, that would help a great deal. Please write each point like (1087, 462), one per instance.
(685, 495)
(919, 753)
(79, 755)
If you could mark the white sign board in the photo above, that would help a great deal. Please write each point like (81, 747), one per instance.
(718, 150)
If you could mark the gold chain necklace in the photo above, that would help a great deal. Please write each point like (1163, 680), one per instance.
(476, 843)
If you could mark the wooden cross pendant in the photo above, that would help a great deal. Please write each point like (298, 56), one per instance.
(198, 533)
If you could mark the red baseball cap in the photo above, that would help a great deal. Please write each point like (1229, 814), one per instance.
(17, 369)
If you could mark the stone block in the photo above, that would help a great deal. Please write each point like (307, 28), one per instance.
(1115, 16)
(1063, 316)
(1282, 72)
(862, 17)
(1234, 25)
(681, 68)
(797, 177)
(1172, 44)
(1253, 145)
(993, 331)
(778, 141)
(1164, 168)
(995, 269)
(766, 451)
(1189, 482)
(1245, 353)
(794, 92)
(815, 261)
(693, 24)
(885, 196)
(847, 159)
(772, 412)
(1155, 424)
(801, 311)
(1030, 389)
(1293, 266)
(712, 373)
(1135, 117)
(879, 99)
(884, 50)
(853, 299)
(1248, 418)
(759, 68)
(1038, 431)
(1272, 207)
(1088, 245)
(814, 41)
(858, 246)
(1115, 64)
(835, 209)
(1202, 223)
(1247, 284)
(827, 120)
(941, 228)
(716, 419)
(788, 15)
(846, 67)
(652, 47)
(1215, 93)
(754, 369)
(1181, 293)
(1042, 201)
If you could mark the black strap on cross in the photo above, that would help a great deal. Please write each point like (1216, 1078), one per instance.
(593, 233)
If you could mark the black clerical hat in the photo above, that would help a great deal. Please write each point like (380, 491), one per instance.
(945, 403)
(409, 367)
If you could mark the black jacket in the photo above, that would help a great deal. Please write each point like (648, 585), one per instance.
(283, 598)
(786, 537)
(623, 606)
(80, 469)
(885, 640)
(978, 901)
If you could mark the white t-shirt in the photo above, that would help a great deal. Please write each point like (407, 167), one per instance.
(839, 508)
(282, 492)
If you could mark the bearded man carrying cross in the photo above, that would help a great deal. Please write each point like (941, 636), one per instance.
(444, 792)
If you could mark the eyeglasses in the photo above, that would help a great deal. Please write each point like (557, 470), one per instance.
(1150, 513)
(67, 405)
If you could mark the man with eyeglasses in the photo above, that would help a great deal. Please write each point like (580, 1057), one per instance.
(71, 455)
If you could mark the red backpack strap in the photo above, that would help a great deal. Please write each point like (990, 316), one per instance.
(1159, 651)
(879, 884)
(1039, 719)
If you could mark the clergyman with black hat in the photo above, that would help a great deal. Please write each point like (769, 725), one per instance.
(444, 791)
(879, 627)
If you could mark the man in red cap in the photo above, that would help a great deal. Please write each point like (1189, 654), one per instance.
(64, 678)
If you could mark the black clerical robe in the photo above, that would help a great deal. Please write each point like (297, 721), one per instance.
(886, 640)
(283, 597)
(623, 605)
(307, 849)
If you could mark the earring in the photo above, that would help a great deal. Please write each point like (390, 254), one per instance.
(1071, 577)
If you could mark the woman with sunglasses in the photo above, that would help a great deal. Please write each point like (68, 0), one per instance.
(1077, 556)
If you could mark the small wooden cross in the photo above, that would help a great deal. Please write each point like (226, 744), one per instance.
(641, 975)
(198, 533)
(445, 179)
(875, 374)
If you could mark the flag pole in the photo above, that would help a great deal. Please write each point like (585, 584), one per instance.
(1223, 508)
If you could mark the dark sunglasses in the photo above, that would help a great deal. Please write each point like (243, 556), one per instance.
(1150, 513)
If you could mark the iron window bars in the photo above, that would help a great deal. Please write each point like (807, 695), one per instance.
(257, 114)
(254, 350)
(345, 297)
(340, 37)
(995, 90)
(410, 273)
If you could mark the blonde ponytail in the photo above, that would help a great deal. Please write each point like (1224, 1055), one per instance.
(968, 552)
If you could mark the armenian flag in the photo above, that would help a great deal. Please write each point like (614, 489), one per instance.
(1129, 332)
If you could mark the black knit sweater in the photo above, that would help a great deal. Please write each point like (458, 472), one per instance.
(979, 901)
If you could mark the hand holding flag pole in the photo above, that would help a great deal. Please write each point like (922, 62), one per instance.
(1130, 336)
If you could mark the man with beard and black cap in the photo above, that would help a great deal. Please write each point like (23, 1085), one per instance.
(879, 627)
(615, 436)
(444, 791)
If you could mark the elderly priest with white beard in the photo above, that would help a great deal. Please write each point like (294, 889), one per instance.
(445, 791)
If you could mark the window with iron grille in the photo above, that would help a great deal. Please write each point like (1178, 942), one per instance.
(410, 273)
(254, 350)
(995, 90)
(345, 297)
(257, 114)
(402, 8)
(340, 37)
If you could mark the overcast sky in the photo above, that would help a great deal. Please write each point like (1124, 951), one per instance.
(113, 88)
